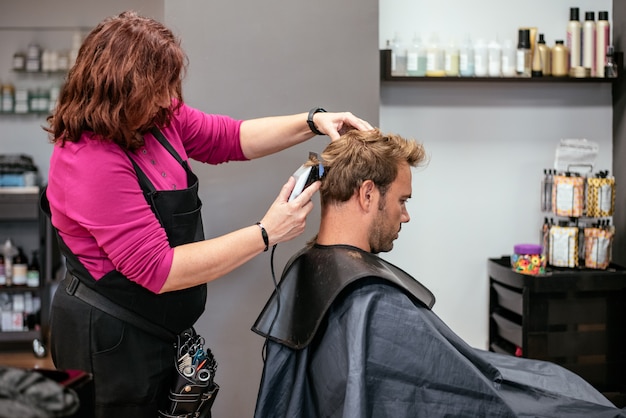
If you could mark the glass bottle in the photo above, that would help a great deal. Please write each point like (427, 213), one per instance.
(610, 68)
(466, 58)
(32, 274)
(20, 268)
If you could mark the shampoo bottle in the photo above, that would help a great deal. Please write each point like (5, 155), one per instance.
(451, 60)
(495, 59)
(589, 43)
(574, 39)
(546, 56)
(508, 58)
(603, 40)
(413, 57)
(481, 58)
(560, 62)
(398, 57)
(466, 58)
(434, 58)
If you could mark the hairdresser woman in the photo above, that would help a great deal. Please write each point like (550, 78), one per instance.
(124, 201)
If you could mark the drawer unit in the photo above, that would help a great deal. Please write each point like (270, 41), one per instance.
(572, 317)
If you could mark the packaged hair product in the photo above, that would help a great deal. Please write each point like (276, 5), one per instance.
(563, 246)
(598, 243)
(600, 196)
(568, 194)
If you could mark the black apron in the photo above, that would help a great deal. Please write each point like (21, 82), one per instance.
(132, 369)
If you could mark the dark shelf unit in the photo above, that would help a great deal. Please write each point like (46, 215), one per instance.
(19, 211)
(573, 317)
(385, 75)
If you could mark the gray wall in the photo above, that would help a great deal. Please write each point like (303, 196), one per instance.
(257, 59)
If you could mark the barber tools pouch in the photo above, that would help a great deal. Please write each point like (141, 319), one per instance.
(194, 390)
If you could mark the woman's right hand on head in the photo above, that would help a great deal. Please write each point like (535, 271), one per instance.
(286, 220)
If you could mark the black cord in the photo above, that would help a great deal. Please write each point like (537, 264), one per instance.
(277, 289)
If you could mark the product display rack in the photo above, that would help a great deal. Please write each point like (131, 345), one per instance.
(572, 317)
(385, 74)
(22, 221)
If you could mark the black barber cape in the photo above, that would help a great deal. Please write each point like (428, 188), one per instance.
(354, 336)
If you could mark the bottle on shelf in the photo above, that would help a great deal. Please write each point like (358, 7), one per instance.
(523, 57)
(560, 62)
(573, 40)
(398, 56)
(416, 58)
(481, 58)
(603, 40)
(32, 274)
(541, 59)
(8, 251)
(610, 68)
(20, 268)
(494, 66)
(508, 58)
(466, 58)
(33, 58)
(589, 43)
(451, 60)
(545, 54)
(434, 58)
(19, 61)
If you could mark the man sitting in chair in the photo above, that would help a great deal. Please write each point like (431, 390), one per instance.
(351, 335)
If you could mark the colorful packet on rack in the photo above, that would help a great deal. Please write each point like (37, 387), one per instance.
(598, 243)
(568, 196)
(600, 196)
(563, 246)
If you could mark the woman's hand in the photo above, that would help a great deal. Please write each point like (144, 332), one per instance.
(286, 220)
(336, 124)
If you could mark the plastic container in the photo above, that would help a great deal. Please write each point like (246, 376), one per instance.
(560, 63)
(528, 259)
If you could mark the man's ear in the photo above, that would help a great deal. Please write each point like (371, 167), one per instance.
(367, 194)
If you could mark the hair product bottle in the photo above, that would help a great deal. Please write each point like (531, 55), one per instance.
(434, 58)
(398, 57)
(451, 60)
(466, 58)
(610, 68)
(603, 40)
(495, 59)
(416, 58)
(560, 64)
(546, 58)
(481, 58)
(508, 58)
(574, 39)
(523, 58)
(589, 42)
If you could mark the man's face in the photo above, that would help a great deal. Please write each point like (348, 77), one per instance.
(392, 212)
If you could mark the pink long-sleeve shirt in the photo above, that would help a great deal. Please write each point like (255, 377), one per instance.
(97, 204)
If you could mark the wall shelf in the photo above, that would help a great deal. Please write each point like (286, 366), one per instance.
(385, 75)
